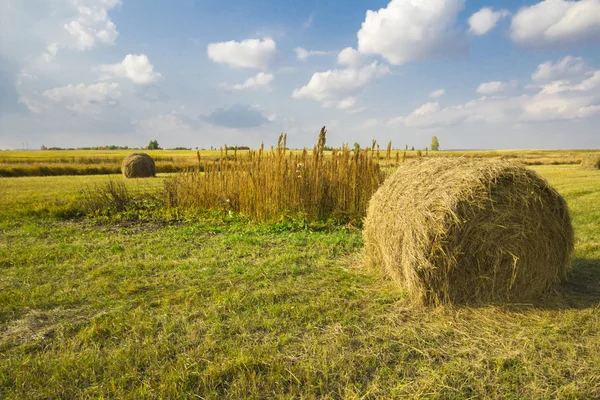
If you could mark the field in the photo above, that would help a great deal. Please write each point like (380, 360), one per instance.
(16, 163)
(211, 305)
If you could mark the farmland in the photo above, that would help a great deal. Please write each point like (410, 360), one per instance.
(16, 163)
(172, 304)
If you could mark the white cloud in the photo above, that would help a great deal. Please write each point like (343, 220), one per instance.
(250, 53)
(260, 81)
(135, 67)
(91, 24)
(484, 109)
(350, 57)
(436, 94)
(567, 68)
(51, 51)
(556, 23)
(370, 123)
(408, 30)
(303, 54)
(558, 100)
(485, 20)
(82, 99)
(494, 87)
(347, 103)
(309, 21)
(565, 100)
(571, 99)
(339, 87)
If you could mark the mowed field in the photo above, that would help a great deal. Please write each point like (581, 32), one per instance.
(214, 306)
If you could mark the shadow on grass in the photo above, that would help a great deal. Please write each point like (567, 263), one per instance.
(582, 288)
(580, 291)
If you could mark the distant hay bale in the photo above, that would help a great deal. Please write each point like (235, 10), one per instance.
(469, 231)
(138, 165)
(591, 161)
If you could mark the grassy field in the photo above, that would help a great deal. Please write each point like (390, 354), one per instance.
(213, 306)
(15, 163)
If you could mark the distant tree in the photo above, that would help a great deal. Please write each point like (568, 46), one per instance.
(153, 145)
(435, 144)
(43, 147)
(412, 148)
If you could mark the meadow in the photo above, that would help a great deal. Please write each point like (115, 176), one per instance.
(179, 304)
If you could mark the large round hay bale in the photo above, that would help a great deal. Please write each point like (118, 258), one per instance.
(138, 165)
(591, 161)
(456, 230)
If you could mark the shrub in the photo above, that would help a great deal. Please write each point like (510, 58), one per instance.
(469, 231)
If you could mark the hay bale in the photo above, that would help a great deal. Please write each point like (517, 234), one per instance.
(591, 161)
(138, 165)
(469, 231)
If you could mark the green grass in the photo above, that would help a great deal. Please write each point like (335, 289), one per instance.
(216, 307)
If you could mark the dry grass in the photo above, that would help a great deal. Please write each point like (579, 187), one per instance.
(138, 165)
(592, 161)
(469, 231)
(268, 185)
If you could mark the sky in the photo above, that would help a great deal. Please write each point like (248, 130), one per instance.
(484, 74)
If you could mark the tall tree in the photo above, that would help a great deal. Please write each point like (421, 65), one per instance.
(435, 144)
(153, 145)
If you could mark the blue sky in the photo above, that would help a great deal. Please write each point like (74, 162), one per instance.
(477, 74)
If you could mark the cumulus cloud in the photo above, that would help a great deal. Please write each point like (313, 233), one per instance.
(557, 23)
(85, 99)
(408, 30)
(567, 68)
(91, 24)
(238, 116)
(494, 87)
(35, 31)
(485, 20)
(436, 94)
(350, 57)
(250, 53)
(135, 67)
(303, 54)
(339, 87)
(260, 81)
(484, 109)
(566, 99)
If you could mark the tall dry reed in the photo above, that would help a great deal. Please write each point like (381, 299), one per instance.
(267, 185)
